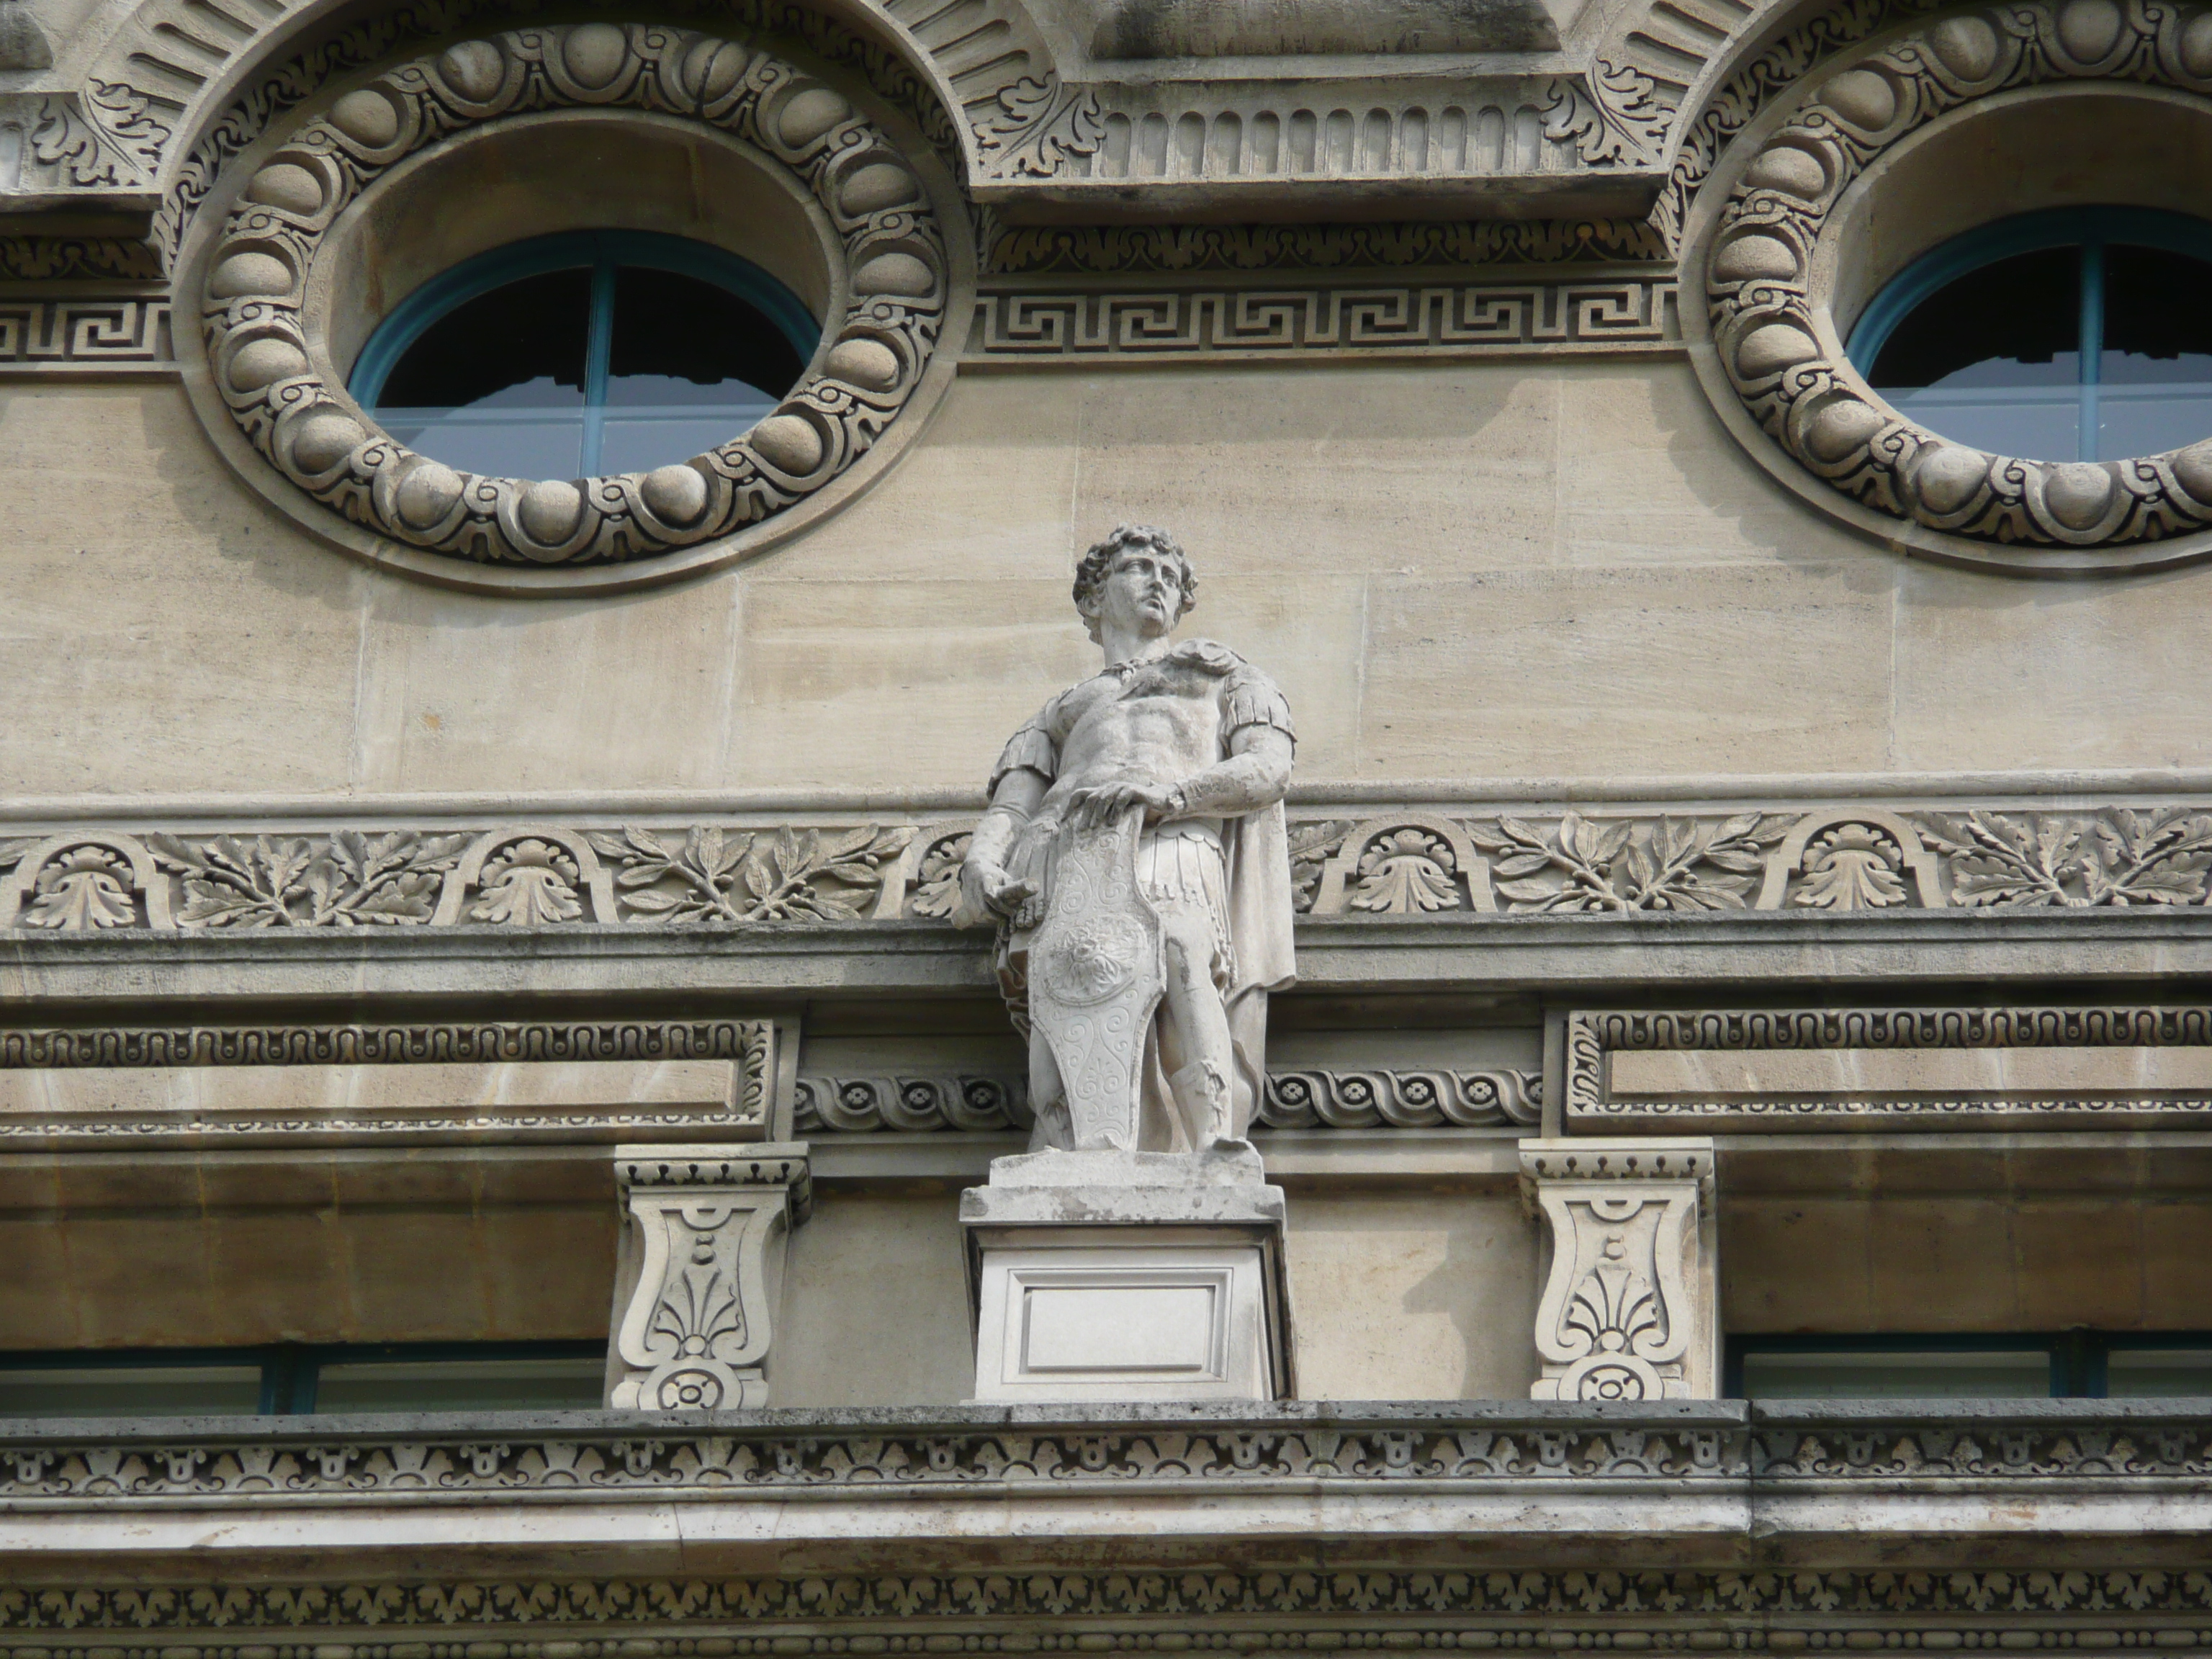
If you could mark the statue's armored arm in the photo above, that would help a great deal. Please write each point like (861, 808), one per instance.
(984, 885)
(1256, 773)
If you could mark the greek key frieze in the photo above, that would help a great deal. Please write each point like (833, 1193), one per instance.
(57, 333)
(735, 1102)
(1387, 318)
(472, 1042)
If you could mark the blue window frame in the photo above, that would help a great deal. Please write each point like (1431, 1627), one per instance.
(2046, 1365)
(584, 353)
(2075, 334)
(289, 1379)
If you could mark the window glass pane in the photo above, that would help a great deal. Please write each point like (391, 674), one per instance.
(454, 1385)
(496, 385)
(131, 1391)
(1900, 1374)
(2155, 375)
(1993, 359)
(692, 367)
(2157, 1371)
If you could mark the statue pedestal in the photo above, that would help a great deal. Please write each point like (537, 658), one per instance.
(1127, 1276)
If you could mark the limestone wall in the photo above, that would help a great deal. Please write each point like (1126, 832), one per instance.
(1519, 569)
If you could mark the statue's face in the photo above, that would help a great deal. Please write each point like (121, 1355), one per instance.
(1142, 594)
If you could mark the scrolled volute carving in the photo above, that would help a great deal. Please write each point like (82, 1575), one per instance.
(887, 239)
(1629, 1309)
(864, 1105)
(701, 1267)
(1772, 348)
(1332, 1099)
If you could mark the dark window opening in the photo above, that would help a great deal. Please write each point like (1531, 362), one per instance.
(582, 354)
(2078, 335)
(288, 1379)
(2063, 1364)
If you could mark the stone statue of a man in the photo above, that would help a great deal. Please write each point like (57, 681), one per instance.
(1134, 855)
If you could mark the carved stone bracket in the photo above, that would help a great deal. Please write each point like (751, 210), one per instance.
(1631, 1308)
(700, 1273)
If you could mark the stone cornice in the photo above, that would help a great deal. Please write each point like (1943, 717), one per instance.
(1447, 1509)
(984, 1451)
(1884, 952)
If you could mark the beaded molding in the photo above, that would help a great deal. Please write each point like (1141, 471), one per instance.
(891, 251)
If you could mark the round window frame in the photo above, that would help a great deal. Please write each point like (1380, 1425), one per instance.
(826, 442)
(1791, 395)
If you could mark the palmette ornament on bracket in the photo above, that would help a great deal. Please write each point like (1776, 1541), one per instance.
(700, 1272)
(1630, 1309)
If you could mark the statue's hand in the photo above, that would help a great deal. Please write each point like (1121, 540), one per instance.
(1090, 808)
(987, 891)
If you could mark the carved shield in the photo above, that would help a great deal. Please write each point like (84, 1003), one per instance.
(1095, 977)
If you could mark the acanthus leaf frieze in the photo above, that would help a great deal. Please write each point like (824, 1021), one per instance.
(1710, 1443)
(1608, 863)
(1192, 250)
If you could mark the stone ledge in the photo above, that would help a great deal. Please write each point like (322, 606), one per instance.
(1470, 954)
(1433, 1486)
(502, 1457)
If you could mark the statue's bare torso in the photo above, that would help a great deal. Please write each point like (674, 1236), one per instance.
(1159, 735)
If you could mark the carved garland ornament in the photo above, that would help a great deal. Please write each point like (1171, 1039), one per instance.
(889, 240)
(1763, 297)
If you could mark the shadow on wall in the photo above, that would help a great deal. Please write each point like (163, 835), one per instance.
(1419, 1296)
(207, 503)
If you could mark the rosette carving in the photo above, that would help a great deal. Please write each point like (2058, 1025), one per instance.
(888, 244)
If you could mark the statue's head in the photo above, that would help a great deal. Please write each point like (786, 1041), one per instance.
(1132, 546)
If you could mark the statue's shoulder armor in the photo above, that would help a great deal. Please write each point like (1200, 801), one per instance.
(1209, 655)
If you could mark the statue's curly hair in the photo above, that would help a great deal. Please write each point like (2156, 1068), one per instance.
(1090, 574)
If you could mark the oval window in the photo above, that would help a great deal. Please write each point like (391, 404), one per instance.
(2074, 335)
(585, 354)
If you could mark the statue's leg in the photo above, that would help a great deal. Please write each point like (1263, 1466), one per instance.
(1202, 1083)
(1052, 1130)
